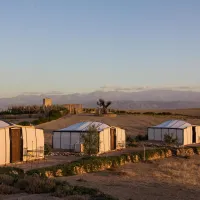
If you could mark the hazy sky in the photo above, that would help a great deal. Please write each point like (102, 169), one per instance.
(81, 45)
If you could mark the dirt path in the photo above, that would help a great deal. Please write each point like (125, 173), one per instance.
(49, 161)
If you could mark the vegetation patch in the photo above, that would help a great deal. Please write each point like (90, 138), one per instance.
(94, 164)
(47, 149)
(46, 114)
(91, 141)
(37, 185)
(12, 171)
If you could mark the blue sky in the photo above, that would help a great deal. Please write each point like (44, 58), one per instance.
(82, 45)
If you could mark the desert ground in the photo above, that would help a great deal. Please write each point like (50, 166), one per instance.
(171, 178)
(133, 124)
(189, 112)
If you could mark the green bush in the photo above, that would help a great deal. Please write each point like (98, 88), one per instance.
(164, 113)
(129, 139)
(24, 123)
(91, 141)
(141, 137)
(6, 179)
(6, 189)
(66, 189)
(169, 139)
(47, 149)
(94, 164)
(37, 185)
(22, 184)
(12, 171)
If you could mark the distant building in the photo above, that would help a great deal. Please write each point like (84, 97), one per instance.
(74, 108)
(47, 102)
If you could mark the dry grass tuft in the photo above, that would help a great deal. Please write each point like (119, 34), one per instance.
(184, 171)
(76, 197)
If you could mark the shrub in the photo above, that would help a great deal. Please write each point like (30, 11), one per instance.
(22, 184)
(169, 139)
(164, 113)
(69, 190)
(185, 152)
(47, 149)
(196, 150)
(91, 141)
(36, 184)
(149, 113)
(12, 171)
(129, 139)
(6, 179)
(94, 164)
(132, 145)
(81, 180)
(6, 189)
(141, 137)
(24, 123)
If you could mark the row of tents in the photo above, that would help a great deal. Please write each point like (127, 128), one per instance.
(24, 143)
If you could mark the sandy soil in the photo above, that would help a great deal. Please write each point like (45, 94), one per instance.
(40, 197)
(172, 178)
(49, 161)
(190, 112)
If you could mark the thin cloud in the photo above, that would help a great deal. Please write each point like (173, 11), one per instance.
(144, 88)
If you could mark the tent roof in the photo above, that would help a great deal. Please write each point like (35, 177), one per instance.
(5, 124)
(174, 124)
(84, 126)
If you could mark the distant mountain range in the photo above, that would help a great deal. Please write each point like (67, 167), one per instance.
(149, 99)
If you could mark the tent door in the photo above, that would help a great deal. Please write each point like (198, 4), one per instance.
(16, 145)
(193, 134)
(113, 138)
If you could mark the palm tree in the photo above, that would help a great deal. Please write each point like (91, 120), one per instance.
(104, 105)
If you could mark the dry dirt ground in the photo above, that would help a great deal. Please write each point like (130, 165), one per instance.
(133, 124)
(39, 197)
(49, 161)
(190, 112)
(172, 178)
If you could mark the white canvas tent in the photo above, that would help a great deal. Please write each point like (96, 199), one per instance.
(183, 131)
(69, 138)
(20, 143)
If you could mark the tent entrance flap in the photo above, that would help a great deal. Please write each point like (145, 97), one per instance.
(113, 139)
(16, 145)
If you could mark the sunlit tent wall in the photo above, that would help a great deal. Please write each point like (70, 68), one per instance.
(110, 137)
(185, 132)
(20, 143)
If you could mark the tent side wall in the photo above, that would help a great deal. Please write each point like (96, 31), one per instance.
(56, 140)
(40, 142)
(5, 146)
(104, 140)
(75, 138)
(66, 140)
(158, 134)
(150, 132)
(198, 134)
(188, 135)
(33, 141)
(121, 138)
